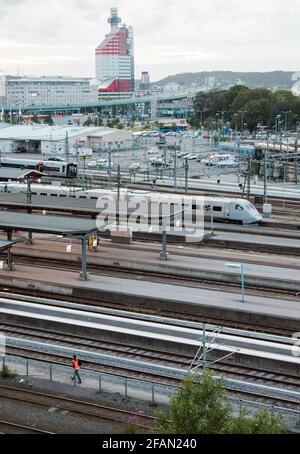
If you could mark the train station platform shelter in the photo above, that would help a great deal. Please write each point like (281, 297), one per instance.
(66, 226)
(5, 246)
(8, 174)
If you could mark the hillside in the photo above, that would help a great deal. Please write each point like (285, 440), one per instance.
(274, 79)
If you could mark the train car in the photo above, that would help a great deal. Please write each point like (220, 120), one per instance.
(232, 148)
(220, 160)
(51, 168)
(238, 211)
(224, 209)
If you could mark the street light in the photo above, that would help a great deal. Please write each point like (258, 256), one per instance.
(241, 268)
(286, 112)
(242, 112)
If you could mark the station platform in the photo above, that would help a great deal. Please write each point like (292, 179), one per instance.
(274, 272)
(138, 294)
(257, 242)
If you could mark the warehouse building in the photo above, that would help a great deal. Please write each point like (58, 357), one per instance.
(55, 141)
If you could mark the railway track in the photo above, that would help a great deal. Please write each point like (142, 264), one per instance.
(189, 281)
(261, 328)
(75, 406)
(9, 427)
(229, 371)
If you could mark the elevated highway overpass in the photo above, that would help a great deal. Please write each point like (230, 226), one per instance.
(134, 100)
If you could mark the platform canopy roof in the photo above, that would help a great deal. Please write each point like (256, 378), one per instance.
(18, 174)
(57, 225)
(4, 245)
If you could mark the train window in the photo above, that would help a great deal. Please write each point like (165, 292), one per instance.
(94, 198)
(82, 197)
(64, 168)
(62, 195)
(33, 193)
(218, 209)
(53, 195)
(238, 207)
(43, 193)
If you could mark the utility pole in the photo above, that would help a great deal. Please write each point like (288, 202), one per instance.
(84, 159)
(29, 193)
(249, 180)
(119, 190)
(186, 171)
(109, 161)
(67, 146)
(266, 153)
(204, 348)
(175, 170)
(286, 112)
(239, 161)
(242, 112)
(165, 159)
(29, 210)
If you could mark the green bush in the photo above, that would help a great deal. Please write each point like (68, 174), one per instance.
(200, 407)
(5, 372)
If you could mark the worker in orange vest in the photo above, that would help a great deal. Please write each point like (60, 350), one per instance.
(76, 366)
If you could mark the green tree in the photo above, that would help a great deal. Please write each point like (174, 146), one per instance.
(35, 119)
(98, 121)
(260, 105)
(200, 407)
(196, 408)
(261, 423)
(88, 122)
(48, 121)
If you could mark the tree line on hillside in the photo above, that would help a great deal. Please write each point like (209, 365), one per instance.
(246, 108)
(272, 79)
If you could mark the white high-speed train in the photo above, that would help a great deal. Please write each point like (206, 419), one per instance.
(51, 167)
(239, 211)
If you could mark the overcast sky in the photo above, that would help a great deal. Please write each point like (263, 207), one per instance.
(171, 36)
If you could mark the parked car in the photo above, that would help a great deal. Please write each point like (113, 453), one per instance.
(192, 156)
(56, 159)
(134, 166)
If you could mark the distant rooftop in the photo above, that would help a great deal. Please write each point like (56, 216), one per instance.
(17, 174)
(47, 78)
(44, 132)
(59, 225)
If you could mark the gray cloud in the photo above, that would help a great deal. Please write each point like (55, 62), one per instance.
(170, 35)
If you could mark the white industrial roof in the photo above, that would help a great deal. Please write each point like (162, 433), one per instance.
(43, 132)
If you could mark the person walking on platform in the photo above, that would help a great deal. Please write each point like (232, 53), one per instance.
(76, 366)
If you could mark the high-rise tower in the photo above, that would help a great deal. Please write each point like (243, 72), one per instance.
(115, 58)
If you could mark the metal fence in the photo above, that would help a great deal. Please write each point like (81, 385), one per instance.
(99, 381)
(102, 382)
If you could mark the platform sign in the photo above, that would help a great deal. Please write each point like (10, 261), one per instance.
(85, 153)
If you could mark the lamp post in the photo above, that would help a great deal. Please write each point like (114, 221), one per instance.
(236, 124)
(241, 268)
(238, 145)
(265, 172)
(285, 113)
(242, 112)
(175, 167)
(278, 117)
